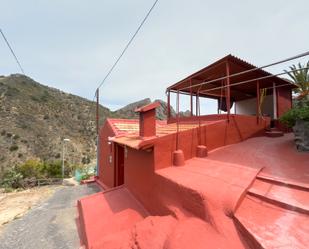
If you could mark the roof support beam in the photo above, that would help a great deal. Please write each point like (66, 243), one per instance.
(257, 102)
(228, 94)
(168, 105)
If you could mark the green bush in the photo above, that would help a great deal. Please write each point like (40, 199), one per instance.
(53, 169)
(297, 113)
(11, 179)
(16, 136)
(31, 168)
(14, 147)
(25, 175)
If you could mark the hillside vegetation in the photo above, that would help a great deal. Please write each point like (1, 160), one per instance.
(34, 119)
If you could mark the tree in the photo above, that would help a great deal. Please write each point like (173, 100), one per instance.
(300, 76)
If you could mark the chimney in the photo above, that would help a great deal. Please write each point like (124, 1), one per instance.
(147, 120)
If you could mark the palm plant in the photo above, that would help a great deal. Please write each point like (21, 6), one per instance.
(300, 76)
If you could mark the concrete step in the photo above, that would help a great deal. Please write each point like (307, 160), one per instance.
(266, 225)
(285, 196)
(283, 181)
(274, 133)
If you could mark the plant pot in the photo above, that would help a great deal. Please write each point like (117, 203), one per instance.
(301, 132)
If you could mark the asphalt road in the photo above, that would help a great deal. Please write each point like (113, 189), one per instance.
(50, 225)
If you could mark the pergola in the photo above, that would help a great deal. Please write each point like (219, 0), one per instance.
(229, 79)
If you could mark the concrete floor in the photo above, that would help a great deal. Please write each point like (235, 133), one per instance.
(50, 225)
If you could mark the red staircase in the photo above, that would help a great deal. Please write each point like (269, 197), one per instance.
(273, 132)
(275, 215)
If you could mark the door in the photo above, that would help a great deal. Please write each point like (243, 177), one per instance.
(119, 165)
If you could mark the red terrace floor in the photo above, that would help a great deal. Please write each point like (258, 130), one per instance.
(277, 156)
(254, 194)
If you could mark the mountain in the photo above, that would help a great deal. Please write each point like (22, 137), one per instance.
(34, 120)
(129, 110)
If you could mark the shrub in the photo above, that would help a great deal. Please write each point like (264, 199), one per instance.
(31, 168)
(12, 179)
(14, 147)
(53, 169)
(16, 137)
(25, 175)
(297, 113)
(85, 160)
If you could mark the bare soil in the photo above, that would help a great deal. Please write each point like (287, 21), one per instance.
(14, 205)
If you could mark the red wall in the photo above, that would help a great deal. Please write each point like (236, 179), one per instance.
(284, 100)
(106, 169)
(284, 103)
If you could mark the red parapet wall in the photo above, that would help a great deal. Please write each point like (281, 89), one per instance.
(194, 119)
(212, 135)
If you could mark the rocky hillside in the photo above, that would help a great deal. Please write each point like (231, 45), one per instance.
(34, 120)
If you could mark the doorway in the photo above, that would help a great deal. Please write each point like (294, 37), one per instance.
(119, 167)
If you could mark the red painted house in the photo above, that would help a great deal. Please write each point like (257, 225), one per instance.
(202, 181)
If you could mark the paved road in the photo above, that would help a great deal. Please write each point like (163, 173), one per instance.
(51, 225)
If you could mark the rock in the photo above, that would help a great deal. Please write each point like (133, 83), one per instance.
(301, 131)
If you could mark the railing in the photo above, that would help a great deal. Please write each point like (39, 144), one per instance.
(41, 182)
(49, 181)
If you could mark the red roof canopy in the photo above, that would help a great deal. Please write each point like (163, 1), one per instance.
(218, 70)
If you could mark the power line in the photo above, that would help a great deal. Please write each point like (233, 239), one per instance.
(129, 43)
(123, 52)
(8, 44)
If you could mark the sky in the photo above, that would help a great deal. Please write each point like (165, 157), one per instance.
(71, 44)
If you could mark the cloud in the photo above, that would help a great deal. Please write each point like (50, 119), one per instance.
(71, 45)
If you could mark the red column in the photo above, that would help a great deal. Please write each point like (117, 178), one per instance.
(257, 102)
(196, 103)
(191, 99)
(228, 96)
(168, 105)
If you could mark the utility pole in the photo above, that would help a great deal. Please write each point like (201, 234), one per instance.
(97, 110)
(63, 142)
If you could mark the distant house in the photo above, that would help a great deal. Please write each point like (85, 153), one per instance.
(187, 182)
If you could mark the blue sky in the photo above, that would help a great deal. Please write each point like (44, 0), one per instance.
(71, 45)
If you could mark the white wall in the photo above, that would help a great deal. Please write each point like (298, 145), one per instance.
(248, 106)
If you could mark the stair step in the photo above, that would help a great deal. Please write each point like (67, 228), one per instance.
(283, 181)
(272, 129)
(274, 133)
(268, 226)
(281, 195)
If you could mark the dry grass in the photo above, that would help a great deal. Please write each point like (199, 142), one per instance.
(15, 205)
